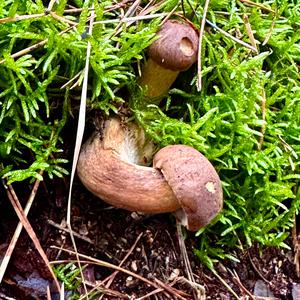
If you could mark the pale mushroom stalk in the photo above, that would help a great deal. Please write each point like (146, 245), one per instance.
(111, 168)
(174, 51)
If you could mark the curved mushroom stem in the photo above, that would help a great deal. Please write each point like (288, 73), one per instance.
(182, 179)
(174, 51)
(108, 168)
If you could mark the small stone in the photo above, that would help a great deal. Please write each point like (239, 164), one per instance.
(175, 273)
(129, 280)
(135, 216)
(262, 290)
(134, 266)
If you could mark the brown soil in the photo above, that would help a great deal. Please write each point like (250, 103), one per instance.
(108, 234)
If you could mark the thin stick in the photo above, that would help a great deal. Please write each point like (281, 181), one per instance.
(111, 277)
(62, 19)
(237, 280)
(48, 293)
(132, 19)
(199, 293)
(231, 36)
(20, 18)
(23, 218)
(79, 137)
(18, 230)
(150, 294)
(86, 239)
(257, 270)
(102, 263)
(258, 5)
(50, 5)
(216, 27)
(199, 73)
(170, 14)
(71, 80)
(268, 36)
(26, 50)
(62, 292)
(130, 12)
(226, 284)
(171, 290)
(33, 47)
(105, 264)
(263, 113)
(250, 31)
(104, 292)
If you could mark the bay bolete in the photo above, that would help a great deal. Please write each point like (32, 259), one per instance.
(113, 163)
(181, 180)
(174, 51)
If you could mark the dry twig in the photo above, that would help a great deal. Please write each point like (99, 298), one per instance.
(92, 260)
(198, 291)
(18, 230)
(261, 6)
(237, 280)
(199, 73)
(111, 277)
(250, 32)
(23, 218)
(225, 284)
(79, 137)
(257, 270)
(63, 228)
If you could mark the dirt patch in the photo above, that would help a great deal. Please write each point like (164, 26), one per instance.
(108, 234)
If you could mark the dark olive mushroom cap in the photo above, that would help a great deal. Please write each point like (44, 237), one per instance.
(194, 181)
(177, 47)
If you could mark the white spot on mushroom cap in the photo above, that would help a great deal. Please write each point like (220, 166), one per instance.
(210, 186)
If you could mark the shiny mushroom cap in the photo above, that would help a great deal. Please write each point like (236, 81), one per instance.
(195, 183)
(176, 48)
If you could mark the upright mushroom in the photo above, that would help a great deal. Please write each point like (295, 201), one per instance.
(181, 180)
(112, 163)
(174, 51)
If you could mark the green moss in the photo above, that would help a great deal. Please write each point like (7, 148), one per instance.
(246, 119)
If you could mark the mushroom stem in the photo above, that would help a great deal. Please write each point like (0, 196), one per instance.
(174, 51)
(156, 80)
(108, 168)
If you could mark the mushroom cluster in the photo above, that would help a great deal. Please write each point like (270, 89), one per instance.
(174, 51)
(113, 163)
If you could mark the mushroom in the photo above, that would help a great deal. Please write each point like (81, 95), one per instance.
(181, 180)
(113, 163)
(174, 51)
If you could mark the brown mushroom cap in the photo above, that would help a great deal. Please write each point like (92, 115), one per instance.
(194, 181)
(177, 47)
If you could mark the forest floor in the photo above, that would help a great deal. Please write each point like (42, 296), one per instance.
(151, 242)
